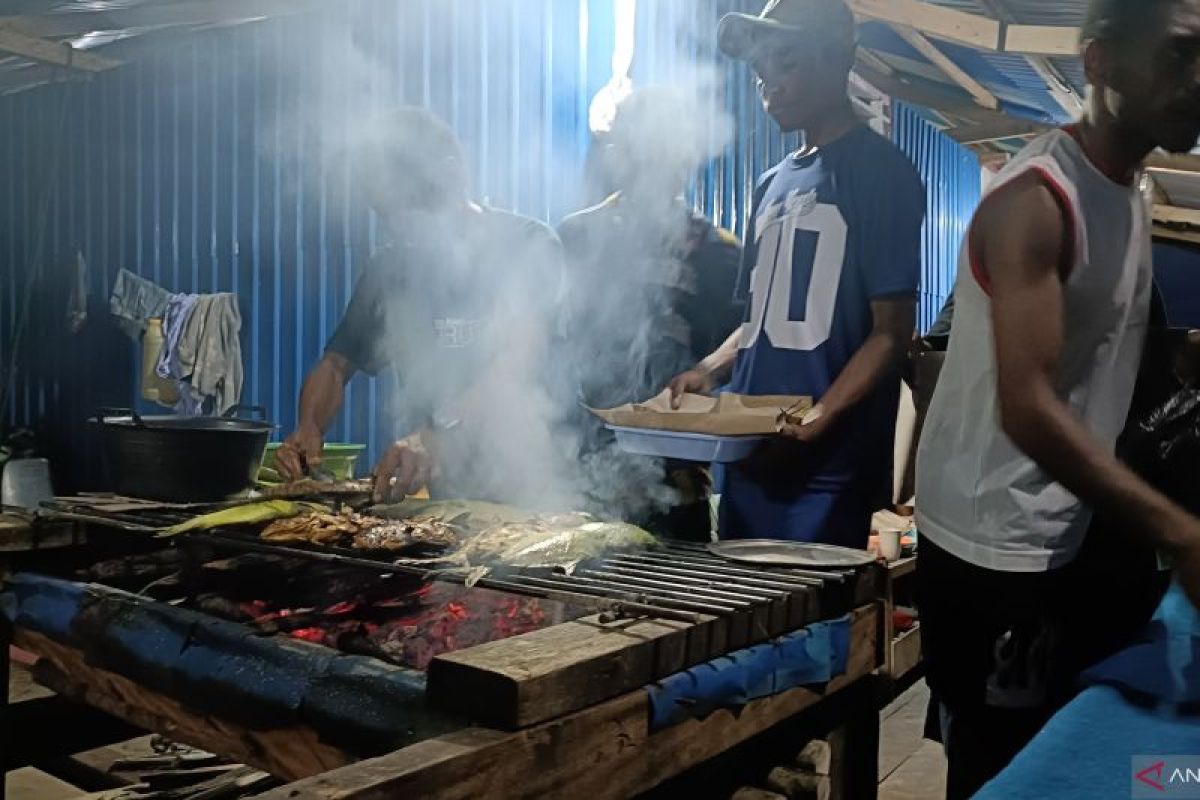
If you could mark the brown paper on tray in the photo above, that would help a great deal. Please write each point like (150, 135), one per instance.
(726, 415)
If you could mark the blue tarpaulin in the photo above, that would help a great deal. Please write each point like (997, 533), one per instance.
(358, 703)
(809, 657)
(1143, 703)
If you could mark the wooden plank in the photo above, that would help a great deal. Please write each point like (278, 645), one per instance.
(1045, 40)
(288, 753)
(52, 53)
(996, 131)
(1056, 84)
(972, 30)
(1174, 215)
(605, 751)
(1163, 232)
(906, 652)
(943, 62)
(949, 100)
(537, 676)
(1173, 163)
(18, 534)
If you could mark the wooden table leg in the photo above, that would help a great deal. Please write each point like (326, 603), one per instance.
(854, 746)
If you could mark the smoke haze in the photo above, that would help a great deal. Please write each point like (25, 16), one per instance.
(485, 329)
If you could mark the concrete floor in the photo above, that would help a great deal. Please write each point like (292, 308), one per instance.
(910, 767)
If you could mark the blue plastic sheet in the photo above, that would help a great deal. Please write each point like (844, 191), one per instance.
(808, 657)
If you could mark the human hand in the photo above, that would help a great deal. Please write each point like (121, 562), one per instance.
(406, 466)
(809, 427)
(300, 452)
(694, 381)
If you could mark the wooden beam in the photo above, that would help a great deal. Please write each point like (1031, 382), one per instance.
(606, 751)
(1174, 215)
(972, 30)
(931, 96)
(523, 680)
(1059, 89)
(1045, 40)
(49, 52)
(1163, 232)
(943, 62)
(1173, 163)
(995, 131)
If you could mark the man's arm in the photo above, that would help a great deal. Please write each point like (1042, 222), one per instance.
(1020, 237)
(320, 398)
(881, 354)
(714, 370)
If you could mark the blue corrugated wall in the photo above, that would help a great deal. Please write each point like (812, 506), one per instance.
(952, 184)
(206, 165)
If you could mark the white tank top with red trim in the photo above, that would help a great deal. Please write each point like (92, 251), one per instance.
(978, 496)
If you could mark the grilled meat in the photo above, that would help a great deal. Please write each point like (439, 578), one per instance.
(362, 532)
(314, 528)
(403, 534)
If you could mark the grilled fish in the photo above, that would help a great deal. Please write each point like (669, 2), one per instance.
(403, 534)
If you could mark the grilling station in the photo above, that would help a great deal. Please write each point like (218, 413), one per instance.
(356, 672)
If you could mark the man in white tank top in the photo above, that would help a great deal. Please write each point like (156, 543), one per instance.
(1052, 305)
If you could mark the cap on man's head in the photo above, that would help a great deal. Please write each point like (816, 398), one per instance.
(740, 34)
(1115, 19)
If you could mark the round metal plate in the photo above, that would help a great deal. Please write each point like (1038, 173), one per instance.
(772, 553)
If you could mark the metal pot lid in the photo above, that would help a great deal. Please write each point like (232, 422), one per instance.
(230, 422)
(773, 553)
(167, 423)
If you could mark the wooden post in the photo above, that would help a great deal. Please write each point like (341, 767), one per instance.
(854, 747)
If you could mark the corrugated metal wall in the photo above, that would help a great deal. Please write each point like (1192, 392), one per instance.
(952, 182)
(211, 164)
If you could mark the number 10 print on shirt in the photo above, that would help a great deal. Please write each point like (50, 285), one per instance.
(782, 228)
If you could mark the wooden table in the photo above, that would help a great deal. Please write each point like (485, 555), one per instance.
(603, 750)
(607, 750)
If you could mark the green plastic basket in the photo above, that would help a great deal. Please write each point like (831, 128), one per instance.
(338, 459)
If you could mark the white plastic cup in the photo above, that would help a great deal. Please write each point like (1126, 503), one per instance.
(889, 545)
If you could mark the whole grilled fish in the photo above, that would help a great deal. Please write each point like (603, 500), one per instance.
(553, 542)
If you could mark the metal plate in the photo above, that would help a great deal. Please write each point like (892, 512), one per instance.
(772, 553)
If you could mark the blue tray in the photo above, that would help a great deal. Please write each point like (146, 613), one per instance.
(699, 447)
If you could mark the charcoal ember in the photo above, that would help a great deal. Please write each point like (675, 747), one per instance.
(133, 572)
(223, 607)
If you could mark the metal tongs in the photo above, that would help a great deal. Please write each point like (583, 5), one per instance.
(318, 473)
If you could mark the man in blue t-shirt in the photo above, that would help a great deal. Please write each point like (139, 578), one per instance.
(830, 273)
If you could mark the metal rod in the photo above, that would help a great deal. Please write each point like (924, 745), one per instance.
(608, 589)
(819, 575)
(736, 589)
(665, 589)
(726, 569)
(714, 574)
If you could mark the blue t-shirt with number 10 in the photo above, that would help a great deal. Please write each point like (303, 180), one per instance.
(831, 230)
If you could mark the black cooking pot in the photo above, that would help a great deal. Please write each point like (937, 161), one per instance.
(183, 459)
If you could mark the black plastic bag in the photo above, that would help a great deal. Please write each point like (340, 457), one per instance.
(1164, 448)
